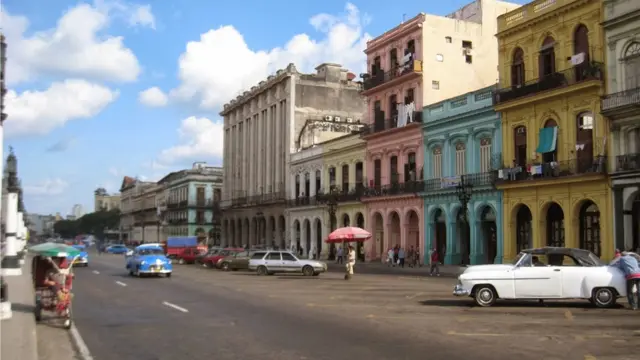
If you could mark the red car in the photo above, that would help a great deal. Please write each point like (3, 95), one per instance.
(190, 255)
(211, 260)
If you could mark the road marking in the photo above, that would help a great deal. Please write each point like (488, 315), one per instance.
(83, 350)
(174, 306)
(96, 272)
(121, 283)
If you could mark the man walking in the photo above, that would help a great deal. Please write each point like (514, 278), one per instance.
(629, 263)
(435, 260)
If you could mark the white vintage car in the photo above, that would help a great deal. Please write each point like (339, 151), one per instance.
(548, 273)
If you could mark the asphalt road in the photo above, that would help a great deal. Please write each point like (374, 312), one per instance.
(201, 313)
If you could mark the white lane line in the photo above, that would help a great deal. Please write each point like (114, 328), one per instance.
(174, 306)
(83, 350)
(121, 283)
(96, 272)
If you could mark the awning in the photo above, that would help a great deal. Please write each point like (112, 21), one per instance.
(548, 139)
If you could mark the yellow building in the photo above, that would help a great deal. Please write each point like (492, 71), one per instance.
(554, 138)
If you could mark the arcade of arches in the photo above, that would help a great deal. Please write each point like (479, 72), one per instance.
(392, 227)
(260, 230)
(559, 223)
(308, 234)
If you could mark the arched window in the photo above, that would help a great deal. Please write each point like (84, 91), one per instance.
(584, 141)
(553, 155)
(581, 46)
(437, 163)
(520, 146)
(393, 170)
(631, 61)
(517, 68)
(547, 58)
(485, 155)
(461, 163)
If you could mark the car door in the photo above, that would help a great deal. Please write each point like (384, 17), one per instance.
(536, 282)
(240, 260)
(573, 274)
(274, 261)
(290, 263)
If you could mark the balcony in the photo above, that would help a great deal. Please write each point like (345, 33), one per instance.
(389, 124)
(475, 180)
(557, 80)
(392, 77)
(394, 189)
(258, 200)
(621, 104)
(302, 201)
(348, 193)
(551, 171)
(627, 163)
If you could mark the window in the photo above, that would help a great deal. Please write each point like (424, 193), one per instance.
(447, 39)
(274, 256)
(520, 146)
(376, 66)
(584, 141)
(241, 254)
(517, 68)
(435, 85)
(485, 155)
(393, 58)
(439, 58)
(345, 178)
(408, 97)
(581, 46)
(258, 256)
(410, 168)
(467, 44)
(411, 47)
(550, 156)
(547, 58)
(298, 184)
(377, 172)
(468, 59)
(288, 257)
(332, 176)
(460, 159)
(393, 110)
(393, 169)
(437, 163)
(631, 63)
(318, 180)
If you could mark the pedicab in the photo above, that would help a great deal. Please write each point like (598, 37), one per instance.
(51, 271)
(345, 235)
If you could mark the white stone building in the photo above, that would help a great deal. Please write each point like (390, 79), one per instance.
(262, 127)
(622, 106)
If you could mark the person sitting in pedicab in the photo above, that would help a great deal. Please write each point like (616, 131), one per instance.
(57, 277)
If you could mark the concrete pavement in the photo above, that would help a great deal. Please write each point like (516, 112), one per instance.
(202, 313)
(18, 334)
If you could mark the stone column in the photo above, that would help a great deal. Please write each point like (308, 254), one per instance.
(352, 176)
(312, 182)
(450, 255)
(292, 240)
(301, 190)
(278, 148)
(326, 230)
(404, 234)
(10, 260)
(312, 242)
(618, 218)
(292, 190)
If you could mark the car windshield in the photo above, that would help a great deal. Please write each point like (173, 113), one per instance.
(520, 256)
(150, 252)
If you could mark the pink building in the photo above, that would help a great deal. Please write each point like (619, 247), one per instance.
(394, 92)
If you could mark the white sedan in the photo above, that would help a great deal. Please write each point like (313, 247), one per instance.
(548, 273)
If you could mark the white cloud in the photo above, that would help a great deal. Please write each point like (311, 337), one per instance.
(75, 47)
(201, 139)
(153, 97)
(142, 16)
(114, 171)
(47, 187)
(39, 112)
(220, 65)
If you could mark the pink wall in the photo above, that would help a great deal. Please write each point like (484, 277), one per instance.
(396, 142)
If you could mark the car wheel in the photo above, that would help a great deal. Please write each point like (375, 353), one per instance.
(307, 271)
(485, 295)
(168, 275)
(603, 297)
(262, 270)
(225, 266)
(137, 273)
(316, 274)
(131, 272)
(181, 261)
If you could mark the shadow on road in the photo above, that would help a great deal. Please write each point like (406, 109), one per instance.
(447, 303)
(242, 274)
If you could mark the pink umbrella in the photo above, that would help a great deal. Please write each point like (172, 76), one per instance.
(348, 234)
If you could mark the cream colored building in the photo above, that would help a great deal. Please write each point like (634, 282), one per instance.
(286, 112)
(104, 201)
(140, 218)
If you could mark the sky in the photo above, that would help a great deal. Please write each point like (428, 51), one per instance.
(107, 88)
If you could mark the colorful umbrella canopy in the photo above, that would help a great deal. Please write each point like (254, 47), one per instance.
(348, 234)
(51, 249)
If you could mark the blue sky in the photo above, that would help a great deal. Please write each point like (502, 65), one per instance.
(76, 71)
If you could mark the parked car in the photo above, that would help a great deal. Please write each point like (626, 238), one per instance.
(212, 260)
(149, 259)
(235, 261)
(549, 273)
(275, 261)
(210, 253)
(190, 255)
(83, 258)
(116, 249)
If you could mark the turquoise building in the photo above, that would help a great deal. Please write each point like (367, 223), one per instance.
(462, 148)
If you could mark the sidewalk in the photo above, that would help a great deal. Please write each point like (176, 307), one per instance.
(449, 271)
(18, 334)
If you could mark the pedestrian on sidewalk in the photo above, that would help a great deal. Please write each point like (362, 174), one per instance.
(390, 257)
(417, 259)
(435, 262)
(351, 262)
(340, 256)
(396, 259)
(629, 263)
(410, 255)
(401, 257)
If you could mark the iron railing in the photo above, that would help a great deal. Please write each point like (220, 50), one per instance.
(387, 124)
(559, 79)
(345, 194)
(627, 162)
(380, 77)
(621, 99)
(538, 171)
(394, 188)
(475, 180)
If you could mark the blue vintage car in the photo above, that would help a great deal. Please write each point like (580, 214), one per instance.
(148, 260)
(116, 249)
(83, 258)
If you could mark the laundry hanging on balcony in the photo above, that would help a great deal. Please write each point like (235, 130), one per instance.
(548, 139)
(405, 114)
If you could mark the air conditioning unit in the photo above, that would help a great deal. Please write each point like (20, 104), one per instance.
(466, 51)
(337, 119)
(328, 118)
(349, 120)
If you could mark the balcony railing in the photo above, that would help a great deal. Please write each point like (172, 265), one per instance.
(395, 188)
(553, 170)
(389, 124)
(627, 162)
(264, 199)
(415, 66)
(347, 193)
(302, 201)
(622, 99)
(572, 76)
(475, 180)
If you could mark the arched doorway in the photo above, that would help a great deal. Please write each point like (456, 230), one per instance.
(360, 244)
(413, 231)
(584, 142)
(318, 225)
(346, 221)
(282, 228)
(464, 237)
(589, 219)
(440, 234)
(378, 233)
(394, 228)
(524, 220)
(307, 238)
(489, 231)
(555, 225)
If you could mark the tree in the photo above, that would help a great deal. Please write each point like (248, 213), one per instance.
(94, 223)
(100, 192)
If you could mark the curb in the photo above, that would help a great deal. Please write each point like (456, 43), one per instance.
(79, 344)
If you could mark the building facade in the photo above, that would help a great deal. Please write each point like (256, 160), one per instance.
(462, 146)
(192, 203)
(343, 185)
(286, 112)
(555, 189)
(138, 215)
(621, 106)
(103, 201)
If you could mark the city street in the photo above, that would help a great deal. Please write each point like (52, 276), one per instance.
(199, 313)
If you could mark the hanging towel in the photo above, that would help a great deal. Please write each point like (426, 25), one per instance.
(400, 117)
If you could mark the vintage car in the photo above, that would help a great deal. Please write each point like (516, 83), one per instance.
(235, 261)
(83, 258)
(148, 260)
(116, 249)
(271, 262)
(549, 273)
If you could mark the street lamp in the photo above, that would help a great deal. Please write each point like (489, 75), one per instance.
(464, 191)
(332, 207)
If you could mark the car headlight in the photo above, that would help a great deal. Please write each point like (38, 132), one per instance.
(219, 261)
